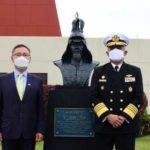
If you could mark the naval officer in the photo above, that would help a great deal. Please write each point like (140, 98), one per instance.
(116, 94)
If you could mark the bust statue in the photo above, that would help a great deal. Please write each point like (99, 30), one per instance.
(76, 64)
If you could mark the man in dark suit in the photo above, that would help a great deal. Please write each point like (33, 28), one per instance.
(21, 104)
(116, 94)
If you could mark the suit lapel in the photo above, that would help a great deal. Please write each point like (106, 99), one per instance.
(12, 83)
(28, 86)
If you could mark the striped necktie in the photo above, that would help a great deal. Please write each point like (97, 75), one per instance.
(20, 86)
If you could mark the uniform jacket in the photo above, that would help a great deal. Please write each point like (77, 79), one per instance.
(18, 117)
(117, 93)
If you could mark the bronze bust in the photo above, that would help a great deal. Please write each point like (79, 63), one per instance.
(76, 64)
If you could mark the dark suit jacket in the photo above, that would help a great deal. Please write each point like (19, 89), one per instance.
(117, 93)
(18, 117)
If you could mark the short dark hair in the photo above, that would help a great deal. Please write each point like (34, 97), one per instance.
(20, 45)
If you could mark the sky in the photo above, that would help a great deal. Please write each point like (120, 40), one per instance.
(103, 17)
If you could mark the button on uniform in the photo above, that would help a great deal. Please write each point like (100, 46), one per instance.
(121, 91)
(121, 109)
(121, 100)
(111, 92)
(92, 104)
(111, 109)
(111, 100)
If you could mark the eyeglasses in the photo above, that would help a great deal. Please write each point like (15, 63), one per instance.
(21, 54)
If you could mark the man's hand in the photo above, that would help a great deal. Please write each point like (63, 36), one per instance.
(1, 137)
(121, 118)
(115, 120)
(39, 137)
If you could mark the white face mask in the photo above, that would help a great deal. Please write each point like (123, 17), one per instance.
(21, 62)
(116, 54)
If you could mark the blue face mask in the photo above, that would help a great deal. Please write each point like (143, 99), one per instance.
(116, 54)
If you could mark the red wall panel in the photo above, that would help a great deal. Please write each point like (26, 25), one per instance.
(29, 18)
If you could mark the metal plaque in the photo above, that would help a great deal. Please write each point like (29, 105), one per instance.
(73, 122)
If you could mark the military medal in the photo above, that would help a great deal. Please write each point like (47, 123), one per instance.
(102, 87)
(130, 89)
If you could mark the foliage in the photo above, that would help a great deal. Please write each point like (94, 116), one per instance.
(144, 117)
(145, 123)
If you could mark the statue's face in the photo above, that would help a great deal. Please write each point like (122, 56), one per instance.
(77, 48)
